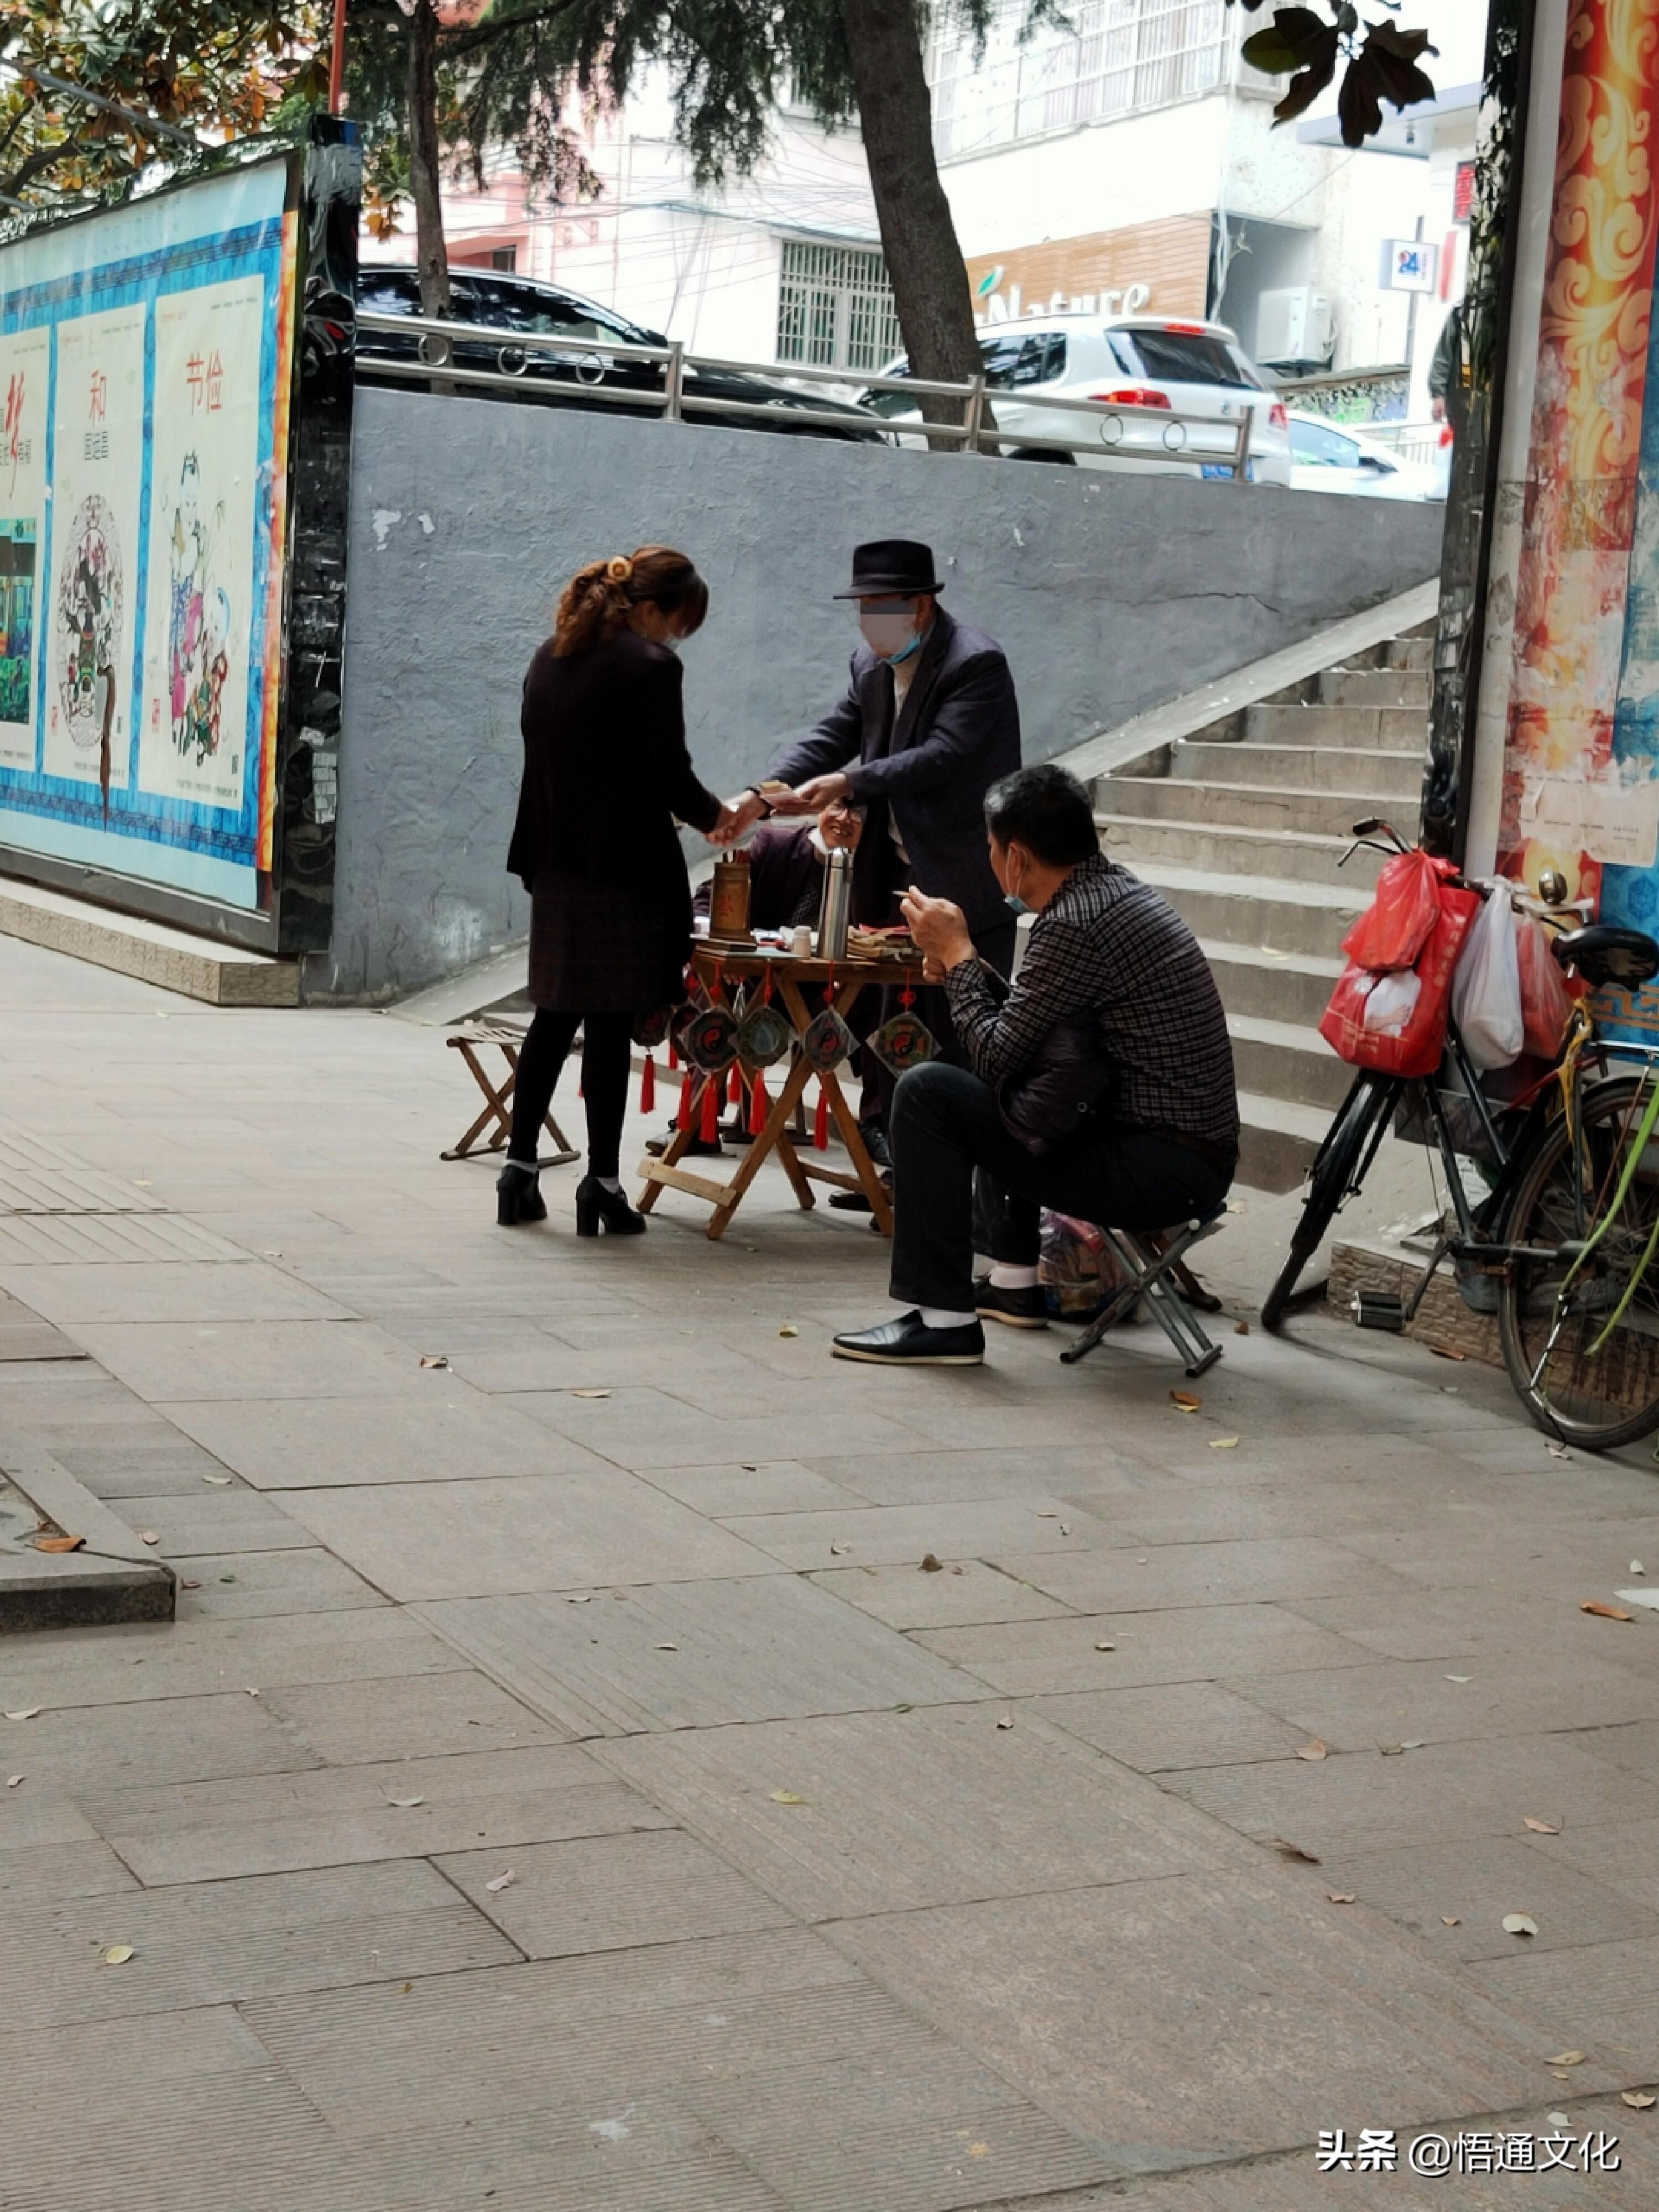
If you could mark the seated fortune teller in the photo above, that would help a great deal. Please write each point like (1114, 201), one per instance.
(786, 866)
(1115, 990)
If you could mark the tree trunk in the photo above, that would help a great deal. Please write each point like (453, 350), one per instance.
(431, 256)
(924, 261)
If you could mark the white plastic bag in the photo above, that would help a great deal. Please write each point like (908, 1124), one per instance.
(1391, 1001)
(1486, 996)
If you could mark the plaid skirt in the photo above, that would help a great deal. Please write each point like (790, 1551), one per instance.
(598, 948)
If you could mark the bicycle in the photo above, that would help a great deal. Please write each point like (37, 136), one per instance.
(1562, 1246)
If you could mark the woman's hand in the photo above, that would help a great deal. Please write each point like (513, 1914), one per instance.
(940, 932)
(734, 821)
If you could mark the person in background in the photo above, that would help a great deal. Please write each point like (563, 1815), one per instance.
(1111, 961)
(928, 720)
(606, 772)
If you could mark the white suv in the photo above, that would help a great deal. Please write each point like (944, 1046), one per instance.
(1148, 364)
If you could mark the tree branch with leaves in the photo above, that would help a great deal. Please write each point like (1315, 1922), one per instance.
(1381, 64)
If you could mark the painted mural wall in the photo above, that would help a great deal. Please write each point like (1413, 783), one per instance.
(146, 365)
(1580, 758)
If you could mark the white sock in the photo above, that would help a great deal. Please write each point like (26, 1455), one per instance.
(608, 1182)
(524, 1167)
(1007, 1277)
(936, 1317)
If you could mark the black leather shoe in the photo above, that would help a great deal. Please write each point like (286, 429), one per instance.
(700, 1148)
(908, 1342)
(854, 1202)
(595, 1204)
(875, 1143)
(518, 1197)
(1021, 1308)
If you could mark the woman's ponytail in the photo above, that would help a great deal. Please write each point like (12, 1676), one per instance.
(597, 601)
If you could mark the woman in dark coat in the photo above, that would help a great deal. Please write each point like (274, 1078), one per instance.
(605, 773)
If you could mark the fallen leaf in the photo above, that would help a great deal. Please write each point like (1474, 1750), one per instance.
(117, 1954)
(434, 1359)
(26, 1713)
(249, 1687)
(1451, 1920)
(1241, 1328)
(1295, 1852)
(789, 1329)
(1605, 1612)
(1340, 1896)
(1105, 1647)
(1411, 1743)
(1519, 1924)
(1566, 2058)
(407, 1987)
(1636, 1568)
(836, 1550)
(1556, 2119)
(1440, 1353)
(581, 1597)
(750, 1466)
(501, 1881)
(1222, 1443)
(1046, 1513)
(405, 1802)
(930, 1565)
(1314, 1748)
(979, 2151)
(590, 1394)
(147, 1536)
(1391, 1750)
(1538, 1827)
(1460, 1677)
(226, 1578)
(1065, 1529)
(184, 1583)
(664, 1647)
(1006, 1721)
(786, 1797)
(1558, 1451)
(219, 1481)
(954, 1570)
(59, 1543)
(12, 1780)
(1184, 1401)
(1639, 2100)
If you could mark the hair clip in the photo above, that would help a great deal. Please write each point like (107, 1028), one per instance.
(620, 569)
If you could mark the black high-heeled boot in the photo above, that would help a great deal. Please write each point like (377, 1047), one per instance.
(595, 1204)
(519, 1196)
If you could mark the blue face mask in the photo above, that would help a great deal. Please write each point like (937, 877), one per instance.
(1013, 899)
(914, 646)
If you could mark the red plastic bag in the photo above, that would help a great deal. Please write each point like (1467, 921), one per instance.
(1546, 1001)
(1415, 1049)
(1393, 929)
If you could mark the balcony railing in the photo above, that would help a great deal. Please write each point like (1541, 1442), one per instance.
(436, 339)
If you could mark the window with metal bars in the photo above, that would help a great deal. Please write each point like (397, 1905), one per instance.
(835, 308)
(1112, 57)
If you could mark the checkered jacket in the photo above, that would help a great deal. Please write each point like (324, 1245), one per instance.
(1107, 943)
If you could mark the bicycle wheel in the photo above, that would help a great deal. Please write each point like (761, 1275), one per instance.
(1574, 1386)
(1339, 1163)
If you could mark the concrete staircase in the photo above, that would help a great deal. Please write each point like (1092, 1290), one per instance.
(1240, 826)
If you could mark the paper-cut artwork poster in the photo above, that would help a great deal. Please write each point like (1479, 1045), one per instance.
(25, 365)
(98, 455)
(205, 515)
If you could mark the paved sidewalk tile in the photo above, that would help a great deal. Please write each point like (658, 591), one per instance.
(1170, 1725)
(359, 1722)
(877, 1536)
(1475, 1881)
(1185, 1644)
(175, 1291)
(925, 1808)
(693, 1655)
(963, 1593)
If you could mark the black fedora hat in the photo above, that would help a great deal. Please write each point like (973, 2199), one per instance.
(891, 567)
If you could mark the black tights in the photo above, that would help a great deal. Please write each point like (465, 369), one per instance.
(607, 1053)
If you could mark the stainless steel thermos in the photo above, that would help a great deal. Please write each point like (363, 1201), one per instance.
(836, 908)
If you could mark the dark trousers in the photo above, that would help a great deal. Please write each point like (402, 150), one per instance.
(945, 1124)
(607, 1056)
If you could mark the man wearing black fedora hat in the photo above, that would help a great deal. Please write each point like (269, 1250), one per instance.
(927, 723)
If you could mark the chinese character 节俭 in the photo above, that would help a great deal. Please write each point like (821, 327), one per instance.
(194, 377)
(216, 382)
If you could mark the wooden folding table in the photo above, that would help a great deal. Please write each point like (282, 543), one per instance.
(847, 981)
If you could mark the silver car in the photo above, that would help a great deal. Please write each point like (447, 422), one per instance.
(1194, 373)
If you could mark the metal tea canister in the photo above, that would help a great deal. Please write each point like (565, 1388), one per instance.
(728, 900)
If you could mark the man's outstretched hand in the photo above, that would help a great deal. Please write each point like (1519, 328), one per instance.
(812, 797)
(940, 929)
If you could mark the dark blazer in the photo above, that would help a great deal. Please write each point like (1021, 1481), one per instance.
(959, 733)
(606, 771)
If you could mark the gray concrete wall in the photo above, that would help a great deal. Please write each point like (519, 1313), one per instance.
(1111, 593)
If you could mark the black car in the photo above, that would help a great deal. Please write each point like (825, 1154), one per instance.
(500, 305)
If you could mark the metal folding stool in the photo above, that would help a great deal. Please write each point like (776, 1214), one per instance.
(1149, 1273)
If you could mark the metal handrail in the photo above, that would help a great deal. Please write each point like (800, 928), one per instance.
(972, 434)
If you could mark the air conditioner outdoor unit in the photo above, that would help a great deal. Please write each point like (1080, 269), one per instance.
(1293, 326)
